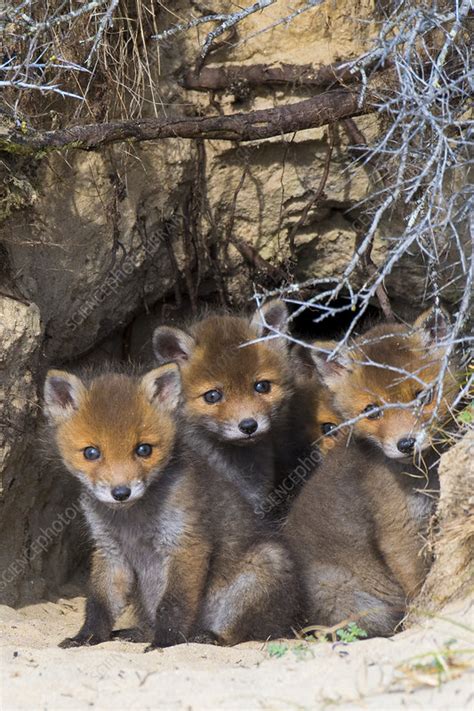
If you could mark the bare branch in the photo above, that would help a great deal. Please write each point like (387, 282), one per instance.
(227, 22)
(106, 21)
(59, 19)
(422, 156)
(250, 126)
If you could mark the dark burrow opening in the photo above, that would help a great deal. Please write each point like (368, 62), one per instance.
(309, 325)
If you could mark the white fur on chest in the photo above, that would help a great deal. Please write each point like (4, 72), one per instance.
(137, 538)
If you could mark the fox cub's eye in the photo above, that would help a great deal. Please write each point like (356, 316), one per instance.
(143, 450)
(327, 429)
(424, 397)
(373, 412)
(262, 386)
(91, 453)
(212, 396)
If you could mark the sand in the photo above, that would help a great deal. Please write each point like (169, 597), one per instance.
(36, 674)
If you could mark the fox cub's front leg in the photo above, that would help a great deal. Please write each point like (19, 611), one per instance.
(400, 537)
(110, 584)
(177, 611)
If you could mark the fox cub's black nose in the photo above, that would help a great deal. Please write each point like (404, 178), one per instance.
(406, 445)
(121, 493)
(248, 426)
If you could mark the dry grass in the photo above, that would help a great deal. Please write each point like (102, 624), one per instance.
(102, 56)
(435, 668)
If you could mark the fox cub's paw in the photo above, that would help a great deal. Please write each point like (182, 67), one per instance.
(81, 641)
(166, 639)
(131, 634)
(203, 638)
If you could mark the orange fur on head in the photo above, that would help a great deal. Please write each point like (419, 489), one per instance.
(323, 416)
(114, 414)
(222, 361)
(326, 419)
(214, 356)
(393, 366)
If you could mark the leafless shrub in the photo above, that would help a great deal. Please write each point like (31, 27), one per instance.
(95, 53)
(100, 52)
(420, 168)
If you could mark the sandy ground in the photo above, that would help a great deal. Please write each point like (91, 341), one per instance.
(36, 674)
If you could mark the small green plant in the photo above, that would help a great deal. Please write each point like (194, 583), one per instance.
(302, 651)
(466, 416)
(277, 649)
(351, 633)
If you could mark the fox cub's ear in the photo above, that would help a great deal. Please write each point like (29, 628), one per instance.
(171, 345)
(433, 324)
(62, 394)
(271, 317)
(330, 369)
(162, 386)
(306, 359)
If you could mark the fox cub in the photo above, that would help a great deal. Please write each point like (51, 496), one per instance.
(332, 531)
(323, 422)
(358, 526)
(238, 399)
(170, 534)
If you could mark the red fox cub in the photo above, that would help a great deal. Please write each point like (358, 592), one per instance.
(332, 532)
(382, 484)
(237, 398)
(170, 535)
(386, 379)
(326, 422)
(322, 418)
